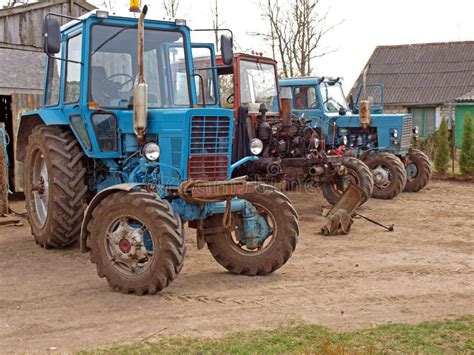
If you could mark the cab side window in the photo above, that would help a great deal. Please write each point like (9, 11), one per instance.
(304, 97)
(72, 89)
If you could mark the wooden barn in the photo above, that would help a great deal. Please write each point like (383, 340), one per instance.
(22, 63)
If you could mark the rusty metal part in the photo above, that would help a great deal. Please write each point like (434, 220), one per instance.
(38, 187)
(219, 190)
(339, 218)
(350, 200)
(338, 223)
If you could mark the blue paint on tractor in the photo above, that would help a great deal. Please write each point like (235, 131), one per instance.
(195, 140)
(341, 127)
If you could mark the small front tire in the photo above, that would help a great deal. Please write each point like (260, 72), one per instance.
(136, 241)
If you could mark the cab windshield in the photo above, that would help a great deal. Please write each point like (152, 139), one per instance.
(113, 67)
(333, 96)
(258, 86)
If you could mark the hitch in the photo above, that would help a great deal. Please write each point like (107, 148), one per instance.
(390, 228)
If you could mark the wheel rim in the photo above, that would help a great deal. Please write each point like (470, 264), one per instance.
(350, 176)
(412, 171)
(129, 245)
(382, 177)
(40, 187)
(236, 241)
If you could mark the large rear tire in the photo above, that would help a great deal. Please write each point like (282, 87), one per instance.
(418, 168)
(389, 175)
(356, 172)
(55, 186)
(137, 242)
(278, 248)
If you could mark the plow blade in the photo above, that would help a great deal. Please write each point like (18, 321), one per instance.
(339, 218)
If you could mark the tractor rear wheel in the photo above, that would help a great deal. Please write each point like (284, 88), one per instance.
(389, 175)
(55, 186)
(418, 168)
(356, 172)
(228, 250)
(136, 241)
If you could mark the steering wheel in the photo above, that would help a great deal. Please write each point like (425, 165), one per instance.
(230, 99)
(130, 79)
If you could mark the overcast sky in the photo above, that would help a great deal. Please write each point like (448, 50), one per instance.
(366, 24)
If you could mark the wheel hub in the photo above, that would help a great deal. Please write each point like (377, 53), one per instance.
(40, 188)
(126, 247)
(412, 171)
(381, 176)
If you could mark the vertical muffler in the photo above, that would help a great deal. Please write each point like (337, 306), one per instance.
(140, 92)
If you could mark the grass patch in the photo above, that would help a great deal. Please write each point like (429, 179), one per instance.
(452, 336)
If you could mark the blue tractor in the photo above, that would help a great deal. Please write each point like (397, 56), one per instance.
(123, 153)
(359, 129)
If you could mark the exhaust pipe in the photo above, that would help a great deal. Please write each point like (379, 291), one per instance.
(140, 92)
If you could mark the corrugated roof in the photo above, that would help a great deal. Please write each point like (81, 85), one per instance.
(21, 69)
(467, 97)
(428, 73)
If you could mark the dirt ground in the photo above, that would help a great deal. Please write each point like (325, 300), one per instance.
(424, 270)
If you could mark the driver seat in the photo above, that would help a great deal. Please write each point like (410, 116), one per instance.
(102, 90)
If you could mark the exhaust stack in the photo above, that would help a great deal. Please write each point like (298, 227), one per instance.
(140, 92)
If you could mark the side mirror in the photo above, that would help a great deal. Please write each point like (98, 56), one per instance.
(227, 49)
(51, 36)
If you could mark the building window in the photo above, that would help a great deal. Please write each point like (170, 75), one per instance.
(53, 81)
(73, 70)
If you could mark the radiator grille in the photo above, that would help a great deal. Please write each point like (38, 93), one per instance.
(405, 140)
(209, 149)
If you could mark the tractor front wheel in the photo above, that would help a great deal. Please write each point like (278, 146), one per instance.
(229, 251)
(389, 175)
(418, 168)
(356, 172)
(136, 241)
(55, 186)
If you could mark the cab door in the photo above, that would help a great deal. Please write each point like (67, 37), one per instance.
(205, 74)
(306, 103)
(71, 93)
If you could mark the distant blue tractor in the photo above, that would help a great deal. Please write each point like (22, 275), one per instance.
(123, 153)
(382, 141)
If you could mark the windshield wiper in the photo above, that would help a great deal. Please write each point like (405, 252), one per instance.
(107, 40)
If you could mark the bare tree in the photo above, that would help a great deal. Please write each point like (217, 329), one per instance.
(12, 3)
(107, 4)
(170, 7)
(296, 31)
(216, 25)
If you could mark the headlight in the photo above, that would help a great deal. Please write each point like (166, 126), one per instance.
(256, 146)
(316, 142)
(395, 133)
(344, 140)
(151, 151)
(416, 130)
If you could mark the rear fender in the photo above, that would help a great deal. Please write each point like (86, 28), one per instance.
(30, 120)
(93, 204)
